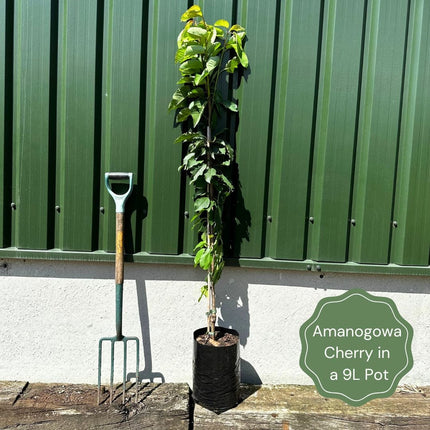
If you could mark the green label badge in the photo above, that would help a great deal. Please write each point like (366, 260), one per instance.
(356, 347)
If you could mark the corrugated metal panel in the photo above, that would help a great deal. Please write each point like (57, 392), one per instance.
(162, 183)
(378, 130)
(253, 143)
(333, 127)
(335, 130)
(293, 128)
(412, 199)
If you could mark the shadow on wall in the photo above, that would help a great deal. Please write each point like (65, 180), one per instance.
(233, 302)
(234, 305)
(147, 373)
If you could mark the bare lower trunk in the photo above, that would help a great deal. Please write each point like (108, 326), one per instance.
(211, 287)
(212, 309)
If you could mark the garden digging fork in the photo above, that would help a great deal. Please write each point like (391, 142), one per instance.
(120, 200)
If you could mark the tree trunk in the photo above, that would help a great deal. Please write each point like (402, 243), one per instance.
(210, 243)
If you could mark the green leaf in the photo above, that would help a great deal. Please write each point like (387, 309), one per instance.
(200, 245)
(202, 203)
(226, 182)
(213, 35)
(228, 104)
(191, 66)
(244, 59)
(188, 137)
(197, 110)
(198, 256)
(178, 97)
(205, 259)
(222, 23)
(198, 174)
(214, 49)
(209, 174)
(212, 63)
(203, 292)
(187, 158)
(194, 50)
(196, 92)
(197, 31)
(236, 43)
(183, 35)
(192, 12)
(193, 163)
(195, 219)
(179, 56)
(185, 80)
(228, 147)
(236, 28)
(200, 77)
(183, 114)
(232, 64)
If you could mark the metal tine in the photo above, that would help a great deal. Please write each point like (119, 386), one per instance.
(112, 364)
(99, 371)
(136, 339)
(124, 371)
(112, 340)
(125, 340)
(137, 368)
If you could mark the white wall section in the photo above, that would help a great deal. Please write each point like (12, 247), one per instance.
(52, 315)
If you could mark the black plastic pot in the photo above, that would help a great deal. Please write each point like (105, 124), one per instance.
(216, 373)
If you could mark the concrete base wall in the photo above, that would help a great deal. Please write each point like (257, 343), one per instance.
(52, 315)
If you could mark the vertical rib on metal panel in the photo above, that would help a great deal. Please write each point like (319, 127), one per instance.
(121, 104)
(335, 130)
(75, 130)
(378, 131)
(255, 120)
(292, 128)
(31, 123)
(3, 203)
(411, 237)
(162, 181)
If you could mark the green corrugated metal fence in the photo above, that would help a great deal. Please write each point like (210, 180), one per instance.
(332, 142)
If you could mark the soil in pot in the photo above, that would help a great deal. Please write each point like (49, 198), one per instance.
(216, 369)
(222, 338)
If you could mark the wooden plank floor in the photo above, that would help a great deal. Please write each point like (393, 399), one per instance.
(74, 407)
(169, 407)
(292, 407)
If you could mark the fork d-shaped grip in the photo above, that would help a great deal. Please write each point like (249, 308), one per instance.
(119, 199)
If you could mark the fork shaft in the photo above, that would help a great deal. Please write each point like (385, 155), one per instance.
(119, 272)
(119, 302)
(119, 248)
